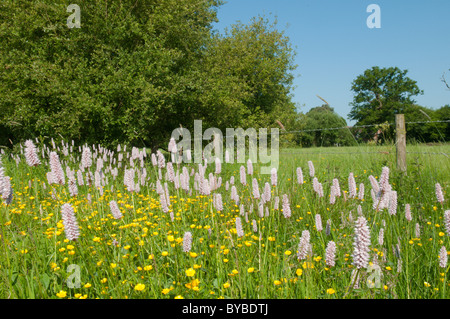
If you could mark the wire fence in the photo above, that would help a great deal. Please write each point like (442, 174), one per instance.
(349, 128)
(330, 128)
(358, 126)
(362, 152)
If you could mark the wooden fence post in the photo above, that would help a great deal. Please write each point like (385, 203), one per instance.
(400, 141)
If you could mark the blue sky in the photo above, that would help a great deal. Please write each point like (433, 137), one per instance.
(334, 44)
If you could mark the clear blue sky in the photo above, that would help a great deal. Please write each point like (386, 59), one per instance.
(334, 44)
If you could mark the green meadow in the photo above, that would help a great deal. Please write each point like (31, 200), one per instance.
(144, 254)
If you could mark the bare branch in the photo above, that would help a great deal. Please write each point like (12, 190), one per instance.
(445, 82)
(322, 99)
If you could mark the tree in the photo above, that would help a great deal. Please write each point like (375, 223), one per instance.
(422, 131)
(117, 78)
(380, 93)
(135, 70)
(443, 114)
(257, 61)
(323, 117)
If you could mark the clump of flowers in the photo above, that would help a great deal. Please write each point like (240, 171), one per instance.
(408, 212)
(304, 246)
(311, 169)
(330, 253)
(71, 228)
(239, 230)
(443, 257)
(115, 211)
(56, 169)
(187, 242)
(439, 193)
(447, 221)
(286, 206)
(299, 175)
(361, 243)
(318, 219)
(273, 176)
(31, 153)
(351, 186)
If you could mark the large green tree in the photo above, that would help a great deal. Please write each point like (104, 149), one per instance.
(117, 78)
(261, 60)
(135, 70)
(379, 94)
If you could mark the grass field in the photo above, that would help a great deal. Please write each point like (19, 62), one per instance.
(146, 252)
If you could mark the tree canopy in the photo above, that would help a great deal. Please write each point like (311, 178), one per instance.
(379, 94)
(324, 117)
(135, 70)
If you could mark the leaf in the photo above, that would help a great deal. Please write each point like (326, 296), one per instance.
(45, 280)
(216, 283)
(14, 277)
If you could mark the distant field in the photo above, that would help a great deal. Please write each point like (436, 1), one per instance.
(146, 252)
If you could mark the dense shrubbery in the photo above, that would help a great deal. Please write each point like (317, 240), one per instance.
(136, 70)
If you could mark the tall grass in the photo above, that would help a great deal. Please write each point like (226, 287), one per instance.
(141, 255)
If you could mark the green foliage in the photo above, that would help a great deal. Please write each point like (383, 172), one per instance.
(135, 71)
(380, 93)
(426, 132)
(323, 117)
(443, 114)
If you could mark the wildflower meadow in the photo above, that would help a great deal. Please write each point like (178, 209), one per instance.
(85, 221)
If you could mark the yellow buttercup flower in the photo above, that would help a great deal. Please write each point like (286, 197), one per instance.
(61, 294)
(330, 291)
(165, 291)
(139, 287)
(193, 284)
(190, 272)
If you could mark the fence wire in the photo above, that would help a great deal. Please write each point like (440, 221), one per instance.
(358, 126)
(280, 132)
